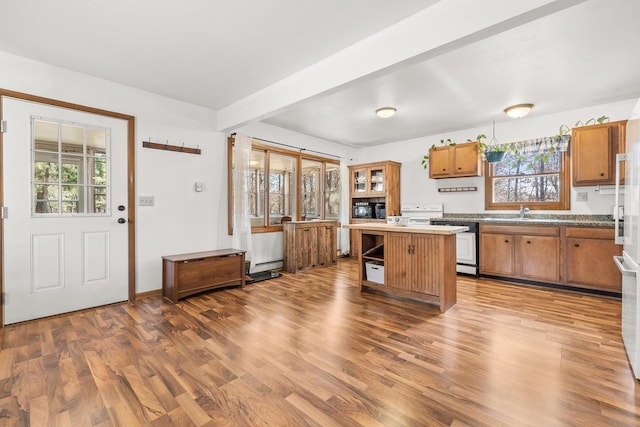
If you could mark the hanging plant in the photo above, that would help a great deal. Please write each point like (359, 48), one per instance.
(494, 156)
(494, 152)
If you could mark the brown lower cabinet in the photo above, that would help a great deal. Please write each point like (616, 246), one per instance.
(524, 252)
(309, 244)
(410, 263)
(589, 259)
(580, 257)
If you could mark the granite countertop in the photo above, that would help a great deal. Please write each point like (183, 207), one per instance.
(535, 219)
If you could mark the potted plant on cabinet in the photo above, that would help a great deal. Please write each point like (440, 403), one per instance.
(443, 142)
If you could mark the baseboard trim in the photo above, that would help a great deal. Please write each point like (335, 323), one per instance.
(149, 293)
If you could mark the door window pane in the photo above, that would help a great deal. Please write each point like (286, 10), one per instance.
(96, 143)
(46, 198)
(45, 170)
(97, 197)
(97, 171)
(71, 170)
(71, 199)
(46, 135)
(63, 175)
(72, 139)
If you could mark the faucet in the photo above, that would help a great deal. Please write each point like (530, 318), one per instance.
(523, 211)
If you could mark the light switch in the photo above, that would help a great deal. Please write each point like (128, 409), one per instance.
(146, 200)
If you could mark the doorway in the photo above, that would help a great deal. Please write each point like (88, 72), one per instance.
(68, 191)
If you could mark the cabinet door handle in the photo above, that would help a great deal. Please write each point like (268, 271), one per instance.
(577, 245)
(506, 241)
(601, 173)
(528, 242)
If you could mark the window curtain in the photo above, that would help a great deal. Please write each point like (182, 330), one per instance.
(547, 144)
(241, 238)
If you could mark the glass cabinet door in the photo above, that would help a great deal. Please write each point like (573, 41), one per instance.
(376, 180)
(359, 181)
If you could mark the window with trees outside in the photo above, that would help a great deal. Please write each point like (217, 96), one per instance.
(537, 179)
(70, 164)
(293, 186)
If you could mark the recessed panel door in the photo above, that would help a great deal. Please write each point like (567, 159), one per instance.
(65, 189)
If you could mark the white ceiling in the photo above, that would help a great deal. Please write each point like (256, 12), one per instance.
(219, 53)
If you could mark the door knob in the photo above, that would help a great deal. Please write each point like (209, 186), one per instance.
(121, 220)
(121, 208)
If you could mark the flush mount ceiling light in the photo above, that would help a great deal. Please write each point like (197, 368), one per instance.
(386, 112)
(518, 111)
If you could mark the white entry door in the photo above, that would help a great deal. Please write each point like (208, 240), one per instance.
(65, 193)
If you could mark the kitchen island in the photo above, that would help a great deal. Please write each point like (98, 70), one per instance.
(412, 262)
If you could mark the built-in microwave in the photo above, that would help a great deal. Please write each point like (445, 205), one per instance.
(362, 210)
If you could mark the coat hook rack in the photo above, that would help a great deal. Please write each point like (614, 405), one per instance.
(168, 147)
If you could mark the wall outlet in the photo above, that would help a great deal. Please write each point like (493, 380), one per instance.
(197, 187)
(583, 196)
(146, 200)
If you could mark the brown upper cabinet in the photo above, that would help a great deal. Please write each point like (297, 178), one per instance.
(371, 179)
(594, 150)
(378, 183)
(454, 161)
(373, 183)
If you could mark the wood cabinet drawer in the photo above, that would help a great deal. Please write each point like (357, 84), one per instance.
(532, 230)
(590, 233)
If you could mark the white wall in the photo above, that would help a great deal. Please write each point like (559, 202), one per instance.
(181, 220)
(423, 189)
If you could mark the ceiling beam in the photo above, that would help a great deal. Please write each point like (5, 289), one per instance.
(445, 26)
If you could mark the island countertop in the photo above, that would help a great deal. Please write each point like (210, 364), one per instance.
(423, 229)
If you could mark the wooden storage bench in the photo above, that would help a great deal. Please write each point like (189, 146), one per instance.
(188, 274)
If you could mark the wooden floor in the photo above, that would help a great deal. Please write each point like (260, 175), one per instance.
(311, 349)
